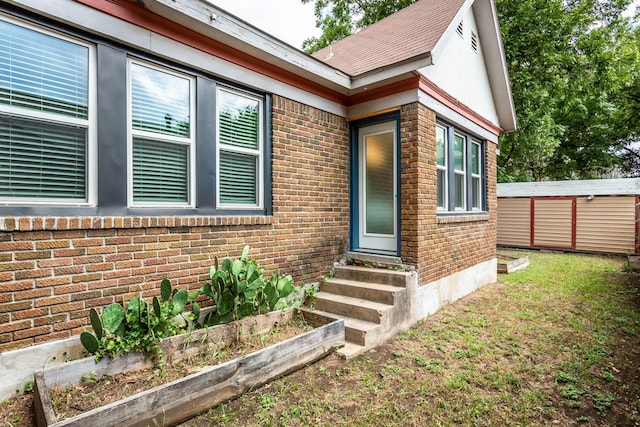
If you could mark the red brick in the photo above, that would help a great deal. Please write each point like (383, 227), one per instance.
(53, 244)
(55, 262)
(16, 286)
(49, 301)
(32, 332)
(15, 266)
(53, 281)
(68, 289)
(15, 326)
(69, 252)
(32, 274)
(86, 277)
(62, 326)
(67, 308)
(50, 320)
(31, 294)
(16, 246)
(30, 314)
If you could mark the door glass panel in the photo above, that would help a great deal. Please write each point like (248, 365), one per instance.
(379, 184)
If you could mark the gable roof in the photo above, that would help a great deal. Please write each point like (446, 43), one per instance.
(410, 33)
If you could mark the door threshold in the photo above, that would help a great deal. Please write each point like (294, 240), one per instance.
(378, 257)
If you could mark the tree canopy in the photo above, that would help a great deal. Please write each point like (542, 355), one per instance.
(574, 67)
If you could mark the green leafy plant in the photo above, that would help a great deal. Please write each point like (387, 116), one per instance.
(141, 326)
(239, 289)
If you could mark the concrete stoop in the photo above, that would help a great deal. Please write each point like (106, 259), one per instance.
(375, 304)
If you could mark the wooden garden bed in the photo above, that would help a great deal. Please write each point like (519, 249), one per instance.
(509, 264)
(181, 399)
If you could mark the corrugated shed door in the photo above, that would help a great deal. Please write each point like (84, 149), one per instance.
(606, 224)
(514, 219)
(553, 222)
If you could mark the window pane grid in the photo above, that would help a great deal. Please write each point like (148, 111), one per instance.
(42, 72)
(160, 101)
(161, 104)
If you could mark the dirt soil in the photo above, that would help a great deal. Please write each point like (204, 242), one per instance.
(93, 393)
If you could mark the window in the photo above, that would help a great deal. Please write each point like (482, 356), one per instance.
(239, 149)
(441, 165)
(460, 182)
(476, 175)
(162, 136)
(46, 113)
(100, 129)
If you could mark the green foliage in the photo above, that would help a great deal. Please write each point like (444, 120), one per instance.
(239, 289)
(140, 326)
(572, 66)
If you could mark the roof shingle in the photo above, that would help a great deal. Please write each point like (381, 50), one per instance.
(411, 32)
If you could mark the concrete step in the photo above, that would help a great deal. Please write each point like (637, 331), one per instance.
(385, 294)
(351, 350)
(358, 308)
(372, 275)
(356, 331)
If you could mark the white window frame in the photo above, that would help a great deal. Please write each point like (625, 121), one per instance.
(461, 172)
(443, 168)
(90, 123)
(478, 175)
(259, 153)
(190, 141)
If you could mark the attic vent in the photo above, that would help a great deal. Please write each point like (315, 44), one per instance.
(474, 42)
(460, 29)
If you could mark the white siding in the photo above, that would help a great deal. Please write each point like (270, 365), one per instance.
(461, 72)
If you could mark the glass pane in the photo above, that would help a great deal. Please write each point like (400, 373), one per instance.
(475, 158)
(379, 184)
(239, 121)
(41, 72)
(42, 160)
(441, 188)
(458, 152)
(459, 191)
(475, 197)
(440, 146)
(160, 101)
(160, 171)
(238, 178)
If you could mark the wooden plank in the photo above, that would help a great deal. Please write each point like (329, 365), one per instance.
(179, 400)
(174, 348)
(42, 406)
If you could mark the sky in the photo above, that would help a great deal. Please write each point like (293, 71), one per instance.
(287, 20)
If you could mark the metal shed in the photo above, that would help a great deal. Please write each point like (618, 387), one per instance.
(597, 215)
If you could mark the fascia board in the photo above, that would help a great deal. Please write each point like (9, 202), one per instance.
(488, 29)
(232, 31)
(386, 75)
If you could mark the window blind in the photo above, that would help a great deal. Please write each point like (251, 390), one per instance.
(42, 160)
(41, 72)
(160, 171)
(238, 178)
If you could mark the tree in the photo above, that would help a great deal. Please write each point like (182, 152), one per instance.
(574, 67)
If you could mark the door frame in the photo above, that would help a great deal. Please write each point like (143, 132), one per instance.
(354, 136)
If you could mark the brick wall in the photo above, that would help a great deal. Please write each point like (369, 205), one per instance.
(54, 269)
(439, 246)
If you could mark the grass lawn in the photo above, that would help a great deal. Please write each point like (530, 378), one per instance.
(554, 344)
